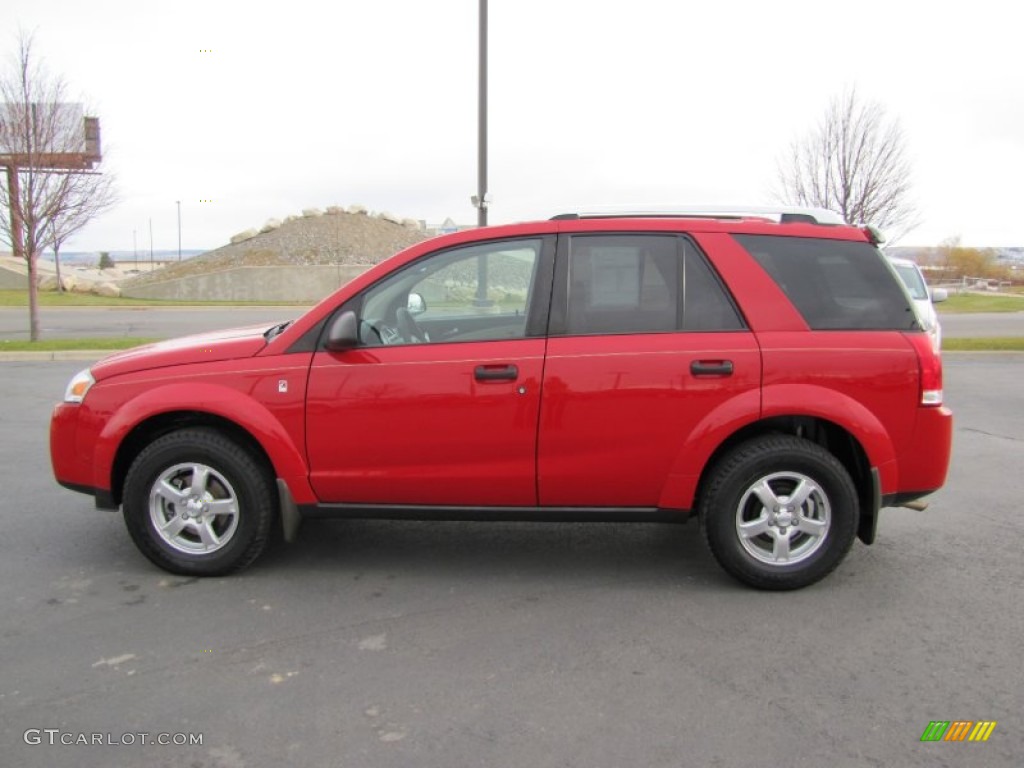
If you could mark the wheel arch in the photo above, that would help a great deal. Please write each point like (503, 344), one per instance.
(155, 427)
(833, 437)
(166, 409)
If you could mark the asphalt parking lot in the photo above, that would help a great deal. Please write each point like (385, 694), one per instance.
(415, 644)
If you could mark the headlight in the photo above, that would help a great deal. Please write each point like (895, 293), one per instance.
(78, 386)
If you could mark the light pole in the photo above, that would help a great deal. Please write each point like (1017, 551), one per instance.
(179, 228)
(150, 244)
(480, 199)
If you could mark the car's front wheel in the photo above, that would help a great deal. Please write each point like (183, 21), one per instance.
(779, 512)
(197, 503)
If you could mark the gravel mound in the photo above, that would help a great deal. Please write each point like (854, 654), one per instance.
(333, 238)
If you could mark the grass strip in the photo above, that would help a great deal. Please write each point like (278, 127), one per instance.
(984, 344)
(979, 302)
(18, 298)
(64, 345)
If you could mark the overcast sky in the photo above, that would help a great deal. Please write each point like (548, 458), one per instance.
(593, 102)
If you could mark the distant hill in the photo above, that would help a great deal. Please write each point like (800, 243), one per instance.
(335, 238)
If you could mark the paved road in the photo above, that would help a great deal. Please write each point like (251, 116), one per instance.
(151, 322)
(377, 644)
(982, 324)
(164, 323)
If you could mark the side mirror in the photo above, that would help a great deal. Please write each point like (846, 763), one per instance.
(416, 305)
(343, 333)
(939, 294)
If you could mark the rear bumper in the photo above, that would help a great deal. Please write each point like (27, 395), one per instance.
(923, 467)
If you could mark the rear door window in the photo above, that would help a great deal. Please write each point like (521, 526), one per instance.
(643, 284)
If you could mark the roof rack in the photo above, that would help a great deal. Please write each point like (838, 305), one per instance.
(782, 214)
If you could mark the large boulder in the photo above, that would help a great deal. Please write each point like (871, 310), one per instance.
(241, 237)
(270, 226)
(46, 282)
(83, 286)
(358, 209)
(410, 224)
(334, 210)
(110, 290)
(384, 215)
(310, 213)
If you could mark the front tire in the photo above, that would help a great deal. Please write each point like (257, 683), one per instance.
(779, 512)
(196, 503)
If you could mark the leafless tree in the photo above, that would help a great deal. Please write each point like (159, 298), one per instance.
(87, 196)
(51, 190)
(854, 162)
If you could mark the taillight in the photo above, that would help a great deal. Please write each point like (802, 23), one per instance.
(929, 363)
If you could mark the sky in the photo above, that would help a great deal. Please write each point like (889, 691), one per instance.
(245, 111)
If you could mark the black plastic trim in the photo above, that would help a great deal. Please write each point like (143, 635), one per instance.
(104, 499)
(560, 288)
(290, 517)
(307, 342)
(86, 489)
(497, 514)
(867, 527)
(543, 280)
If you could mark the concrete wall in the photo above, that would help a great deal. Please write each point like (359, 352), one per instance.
(12, 279)
(305, 284)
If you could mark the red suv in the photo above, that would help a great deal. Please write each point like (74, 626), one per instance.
(768, 374)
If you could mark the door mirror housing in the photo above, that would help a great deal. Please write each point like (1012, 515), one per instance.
(342, 333)
(939, 294)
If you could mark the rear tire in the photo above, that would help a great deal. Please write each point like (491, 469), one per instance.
(196, 503)
(779, 512)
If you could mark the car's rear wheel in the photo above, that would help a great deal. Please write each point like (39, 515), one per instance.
(779, 512)
(199, 504)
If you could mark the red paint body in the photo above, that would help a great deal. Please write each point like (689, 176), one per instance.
(589, 421)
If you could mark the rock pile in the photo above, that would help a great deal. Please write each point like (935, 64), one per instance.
(335, 236)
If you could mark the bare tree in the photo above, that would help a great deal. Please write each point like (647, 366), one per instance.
(855, 163)
(87, 196)
(44, 147)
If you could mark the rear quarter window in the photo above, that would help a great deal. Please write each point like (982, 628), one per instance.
(834, 284)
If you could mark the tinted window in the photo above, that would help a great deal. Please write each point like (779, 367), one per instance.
(834, 284)
(643, 284)
(706, 305)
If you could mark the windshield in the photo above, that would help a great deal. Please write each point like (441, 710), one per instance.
(912, 279)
